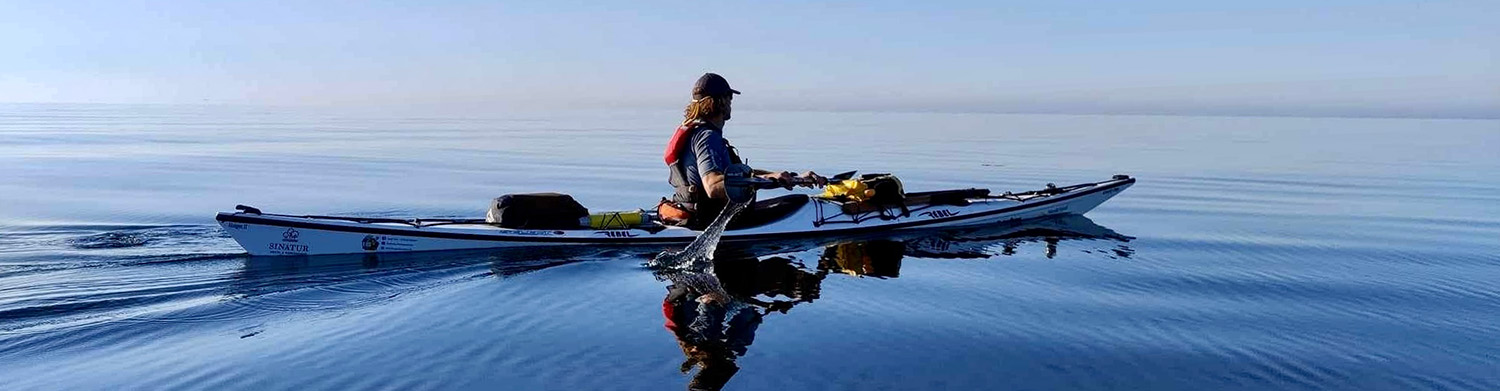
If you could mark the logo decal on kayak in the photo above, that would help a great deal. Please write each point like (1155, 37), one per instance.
(290, 235)
(938, 214)
(370, 243)
(616, 234)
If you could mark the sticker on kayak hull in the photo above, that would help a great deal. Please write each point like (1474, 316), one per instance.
(938, 214)
(616, 234)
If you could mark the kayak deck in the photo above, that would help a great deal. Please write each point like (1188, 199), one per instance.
(276, 234)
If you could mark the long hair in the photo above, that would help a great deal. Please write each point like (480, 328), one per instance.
(706, 108)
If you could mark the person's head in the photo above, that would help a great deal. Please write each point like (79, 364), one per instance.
(711, 97)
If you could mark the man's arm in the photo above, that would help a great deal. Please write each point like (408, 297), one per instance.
(713, 184)
(713, 159)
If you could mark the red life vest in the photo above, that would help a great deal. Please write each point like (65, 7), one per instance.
(680, 139)
(669, 311)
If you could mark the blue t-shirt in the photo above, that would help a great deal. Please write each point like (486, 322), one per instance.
(707, 152)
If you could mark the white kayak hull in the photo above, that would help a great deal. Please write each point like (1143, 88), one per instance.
(283, 235)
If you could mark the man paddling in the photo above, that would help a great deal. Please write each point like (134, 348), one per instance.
(697, 157)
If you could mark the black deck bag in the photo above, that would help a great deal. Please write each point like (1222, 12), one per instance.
(888, 189)
(889, 195)
(536, 211)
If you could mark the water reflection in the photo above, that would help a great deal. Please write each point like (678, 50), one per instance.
(342, 281)
(714, 313)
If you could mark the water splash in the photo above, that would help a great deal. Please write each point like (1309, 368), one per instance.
(700, 253)
(709, 287)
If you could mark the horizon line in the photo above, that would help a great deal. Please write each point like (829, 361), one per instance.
(913, 110)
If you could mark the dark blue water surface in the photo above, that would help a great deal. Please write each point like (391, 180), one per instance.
(1254, 253)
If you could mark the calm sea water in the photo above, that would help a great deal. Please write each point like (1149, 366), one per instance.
(1254, 253)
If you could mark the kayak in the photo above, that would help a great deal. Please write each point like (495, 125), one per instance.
(787, 217)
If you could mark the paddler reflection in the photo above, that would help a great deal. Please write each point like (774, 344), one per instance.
(714, 311)
(714, 314)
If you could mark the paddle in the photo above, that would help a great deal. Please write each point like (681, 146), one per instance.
(762, 183)
(742, 183)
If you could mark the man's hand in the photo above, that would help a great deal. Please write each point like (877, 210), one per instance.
(788, 180)
(814, 179)
(784, 179)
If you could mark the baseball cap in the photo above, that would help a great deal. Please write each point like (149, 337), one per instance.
(711, 84)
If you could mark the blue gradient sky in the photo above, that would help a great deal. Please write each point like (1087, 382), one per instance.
(1347, 58)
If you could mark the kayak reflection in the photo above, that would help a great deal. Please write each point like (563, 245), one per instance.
(349, 280)
(714, 312)
(1005, 239)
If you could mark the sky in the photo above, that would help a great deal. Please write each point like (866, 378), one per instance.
(1265, 57)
